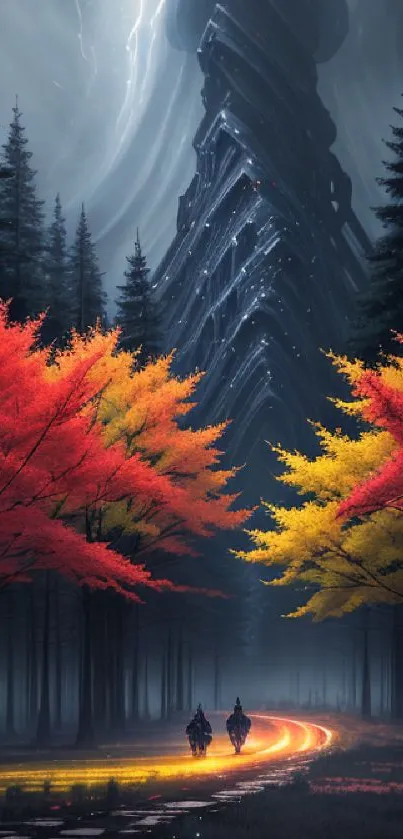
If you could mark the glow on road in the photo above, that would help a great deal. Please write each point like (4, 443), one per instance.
(272, 738)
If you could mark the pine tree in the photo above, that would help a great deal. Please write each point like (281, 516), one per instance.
(59, 319)
(137, 310)
(21, 241)
(380, 309)
(88, 298)
(6, 224)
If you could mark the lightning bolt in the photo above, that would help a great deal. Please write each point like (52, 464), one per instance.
(139, 79)
(133, 52)
(80, 33)
(153, 23)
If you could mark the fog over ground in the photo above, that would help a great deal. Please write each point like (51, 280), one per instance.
(111, 109)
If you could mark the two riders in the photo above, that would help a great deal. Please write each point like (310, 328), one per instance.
(199, 730)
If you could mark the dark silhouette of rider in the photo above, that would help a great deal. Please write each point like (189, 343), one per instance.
(238, 725)
(199, 731)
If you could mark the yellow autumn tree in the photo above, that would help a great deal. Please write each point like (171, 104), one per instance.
(341, 564)
(144, 408)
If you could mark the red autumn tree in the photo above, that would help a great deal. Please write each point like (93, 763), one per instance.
(55, 466)
(380, 395)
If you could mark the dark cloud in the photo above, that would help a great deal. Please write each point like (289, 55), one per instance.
(122, 142)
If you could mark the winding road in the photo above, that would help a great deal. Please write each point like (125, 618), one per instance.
(272, 739)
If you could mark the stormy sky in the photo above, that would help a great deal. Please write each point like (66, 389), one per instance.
(111, 109)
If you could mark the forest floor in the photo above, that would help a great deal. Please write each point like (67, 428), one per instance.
(355, 790)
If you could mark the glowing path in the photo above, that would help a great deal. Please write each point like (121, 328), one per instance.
(272, 739)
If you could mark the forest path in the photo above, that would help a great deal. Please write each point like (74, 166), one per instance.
(272, 738)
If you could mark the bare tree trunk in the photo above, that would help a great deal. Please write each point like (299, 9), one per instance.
(134, 713)
(354, 677)
(164, 686)
(100, 660)
(344, 684)
(85, 733)
(117, 608)
(58, 658)
(147, 714)
(169, 676)
(10, 686)
(366, 676)
(179, 673)
(33, 672)
(397, 664)
(216, 682)
(189, 702)
(324, 688)
(43, 731)
(382, 685)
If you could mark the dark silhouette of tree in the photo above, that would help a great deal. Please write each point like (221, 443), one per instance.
(380, 308)
(21, 239)
(6, 224)
(87, 296)
(137, 309)
(59, 303)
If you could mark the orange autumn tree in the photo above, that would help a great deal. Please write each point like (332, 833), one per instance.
(56, 470)
(143, 408)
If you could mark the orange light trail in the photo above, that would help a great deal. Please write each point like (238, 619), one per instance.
(272, 738)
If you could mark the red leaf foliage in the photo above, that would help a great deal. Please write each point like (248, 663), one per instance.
(383, 408)
(53, 459)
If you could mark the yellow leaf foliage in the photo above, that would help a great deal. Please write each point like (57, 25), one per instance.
(143, 408)
(344, 566)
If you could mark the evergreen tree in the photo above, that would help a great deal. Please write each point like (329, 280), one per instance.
(137, 310)
(6, 224)
(380, 309)
(88, 298)
(59, 319)
(21, 241)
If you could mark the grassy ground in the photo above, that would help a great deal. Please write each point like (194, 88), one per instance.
(296, 814)
(349, 795)
(355, 793)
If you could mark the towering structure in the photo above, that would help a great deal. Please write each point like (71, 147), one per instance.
(266, 260)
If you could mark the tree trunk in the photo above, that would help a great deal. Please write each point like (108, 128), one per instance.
(43, 731)
(31, 662)
(10, 692)
(397, 664)
(134, 714)
(297, 691)
(100, 660)
(366, 675)
(354, 678)
(169, 676)
(146, 698)
(189, 698)
(117, 613)
(344, 684)
(179, 674)
(85, 733)
(216, 682)
(111, 663)
(164, 686)
(58, 659)
(324, 688)
(382, 685)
